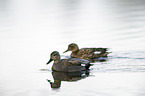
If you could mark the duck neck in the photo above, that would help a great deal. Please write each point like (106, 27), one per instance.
(75, 51)
(57, 60)
(74, 54)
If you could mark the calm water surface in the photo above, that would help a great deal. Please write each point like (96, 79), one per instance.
(30, 30)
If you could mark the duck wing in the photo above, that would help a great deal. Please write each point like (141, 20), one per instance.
(76, 64)
(71, 62)
(78, 61)
(91, 50)
(76, 68)
(74, 61)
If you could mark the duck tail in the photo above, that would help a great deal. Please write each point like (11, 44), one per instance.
(88, 66)
(101, 49)
(105, 54)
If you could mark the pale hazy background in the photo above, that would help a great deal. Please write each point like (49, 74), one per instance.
(31, 29)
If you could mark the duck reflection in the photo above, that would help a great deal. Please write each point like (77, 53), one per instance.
(67, 76)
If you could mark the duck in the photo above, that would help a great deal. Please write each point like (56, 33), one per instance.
(68, 65)
(86, 53)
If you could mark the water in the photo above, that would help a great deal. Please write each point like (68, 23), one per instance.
(30, 30)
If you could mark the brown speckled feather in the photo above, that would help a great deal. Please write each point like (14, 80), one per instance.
(90, 50)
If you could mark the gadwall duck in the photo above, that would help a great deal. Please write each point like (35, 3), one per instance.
(68, 65)
(86, 53)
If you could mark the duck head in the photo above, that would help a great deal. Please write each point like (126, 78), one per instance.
(72, 47)
(54, 56)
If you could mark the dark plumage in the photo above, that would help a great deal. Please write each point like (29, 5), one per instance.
(86, 53)
(67, 65)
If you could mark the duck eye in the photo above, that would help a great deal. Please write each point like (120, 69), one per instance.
(71, 47)
(54, 55)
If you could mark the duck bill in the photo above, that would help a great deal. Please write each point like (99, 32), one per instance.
(49, 61)
(65, 51)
